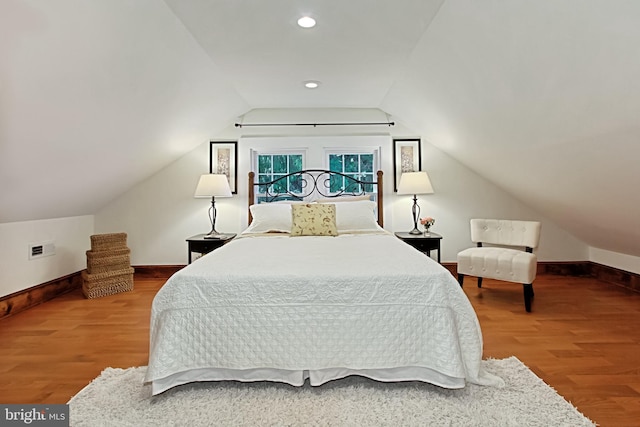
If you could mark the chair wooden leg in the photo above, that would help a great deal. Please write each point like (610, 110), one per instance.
(460, 278)
(528, 296)
(479, 282)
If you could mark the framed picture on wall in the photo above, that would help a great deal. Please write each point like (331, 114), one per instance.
(407, 157)
(223, 159)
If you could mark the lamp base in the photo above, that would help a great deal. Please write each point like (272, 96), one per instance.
(415, 211)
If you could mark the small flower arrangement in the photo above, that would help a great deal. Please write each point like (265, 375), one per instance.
(427, 222)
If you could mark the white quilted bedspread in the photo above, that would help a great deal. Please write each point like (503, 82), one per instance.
(304, 303)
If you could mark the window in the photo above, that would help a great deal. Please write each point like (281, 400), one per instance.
(360, 164)
(274, 165)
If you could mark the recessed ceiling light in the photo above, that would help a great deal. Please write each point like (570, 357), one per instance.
(311, 84)
(307, 22)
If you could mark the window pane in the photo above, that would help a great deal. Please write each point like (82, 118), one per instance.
(368, 177)
(336, 183)
(263, 178)
(264, 164)
(295, 184)
(352, 186)
(351, 163)
(295, 163)
(280, 163)
(366, 163)
(281, 185)
(335, 163)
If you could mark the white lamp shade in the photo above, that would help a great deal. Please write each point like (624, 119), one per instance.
(213, 185)
(415, 183)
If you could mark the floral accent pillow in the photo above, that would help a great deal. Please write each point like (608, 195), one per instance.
(313, 220)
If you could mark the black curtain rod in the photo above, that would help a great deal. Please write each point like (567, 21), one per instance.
(240, 125)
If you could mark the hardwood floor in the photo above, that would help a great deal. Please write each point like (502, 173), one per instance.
(582, 338)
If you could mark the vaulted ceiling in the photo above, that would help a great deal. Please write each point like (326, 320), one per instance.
(539, 97)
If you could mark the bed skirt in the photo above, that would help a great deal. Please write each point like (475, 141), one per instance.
(297, 377)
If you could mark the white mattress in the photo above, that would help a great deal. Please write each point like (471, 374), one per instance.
(286, 308)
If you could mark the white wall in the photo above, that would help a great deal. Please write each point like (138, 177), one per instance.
(461, 194)
(70, 237)
(160, 213)
(613, 259)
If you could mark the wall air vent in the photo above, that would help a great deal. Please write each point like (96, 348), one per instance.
(39, 250)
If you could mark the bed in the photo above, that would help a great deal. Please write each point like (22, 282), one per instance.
(285, 302)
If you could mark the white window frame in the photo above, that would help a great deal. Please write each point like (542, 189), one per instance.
(375, 150)
(287, 151)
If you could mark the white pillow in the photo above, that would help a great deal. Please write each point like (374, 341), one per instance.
(290, 202)
(356, 216)
(270, 218)
(339, 199)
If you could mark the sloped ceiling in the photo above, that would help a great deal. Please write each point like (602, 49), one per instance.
(97, 96)
(540, 97)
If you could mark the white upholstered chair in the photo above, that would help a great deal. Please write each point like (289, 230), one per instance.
(509, 255)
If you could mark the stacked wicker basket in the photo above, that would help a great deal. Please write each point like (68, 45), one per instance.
(108, 266)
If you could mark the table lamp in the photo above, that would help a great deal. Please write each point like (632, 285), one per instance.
(213, 185)
(415, 183)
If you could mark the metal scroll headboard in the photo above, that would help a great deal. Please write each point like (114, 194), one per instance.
(314, 182)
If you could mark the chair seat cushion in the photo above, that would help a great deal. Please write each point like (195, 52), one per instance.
(511, 265)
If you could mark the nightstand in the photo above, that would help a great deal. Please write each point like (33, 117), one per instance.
(423, 243)
(203, 246)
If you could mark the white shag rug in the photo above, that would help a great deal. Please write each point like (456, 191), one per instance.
(118, 398)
